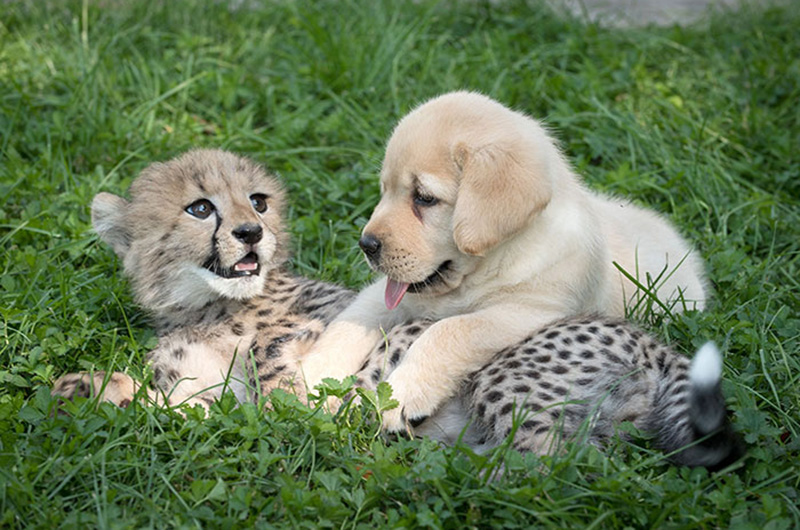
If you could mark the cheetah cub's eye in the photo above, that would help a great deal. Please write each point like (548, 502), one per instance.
(259, 202)
(201, 208)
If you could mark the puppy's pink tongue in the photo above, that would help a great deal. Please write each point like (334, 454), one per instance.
(394, 293)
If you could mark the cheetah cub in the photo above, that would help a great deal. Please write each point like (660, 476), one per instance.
(578, 380)
(203, 243)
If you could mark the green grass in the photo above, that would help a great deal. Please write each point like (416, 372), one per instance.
(699, 123)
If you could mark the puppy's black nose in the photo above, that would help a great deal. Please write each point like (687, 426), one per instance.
(371, 245)
(249, 233)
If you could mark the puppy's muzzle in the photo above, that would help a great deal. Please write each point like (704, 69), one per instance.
(371, 246)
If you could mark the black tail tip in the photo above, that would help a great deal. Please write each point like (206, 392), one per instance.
(715, 444)
(714, 451)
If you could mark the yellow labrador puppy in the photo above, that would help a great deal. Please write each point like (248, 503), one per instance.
(483, 227)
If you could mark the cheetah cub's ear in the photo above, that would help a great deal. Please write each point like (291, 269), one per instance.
(108, 219)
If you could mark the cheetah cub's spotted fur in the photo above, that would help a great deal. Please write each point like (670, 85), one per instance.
(578, 380)
(203, 243)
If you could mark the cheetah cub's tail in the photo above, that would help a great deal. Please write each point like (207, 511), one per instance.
(698, 433)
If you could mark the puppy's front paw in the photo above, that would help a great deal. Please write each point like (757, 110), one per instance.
(414, 405)
(313, 369)
(396, 422)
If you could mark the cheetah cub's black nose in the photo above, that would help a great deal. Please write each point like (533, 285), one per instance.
(371, 245)
(248, 233)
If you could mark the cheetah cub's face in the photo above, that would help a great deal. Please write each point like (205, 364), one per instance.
(203, 226)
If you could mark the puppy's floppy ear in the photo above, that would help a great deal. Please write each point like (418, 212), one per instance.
(501, 188)
(108, 220)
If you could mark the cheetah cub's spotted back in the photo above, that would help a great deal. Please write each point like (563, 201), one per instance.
(585, 377)
(203, 243)
(578, 380)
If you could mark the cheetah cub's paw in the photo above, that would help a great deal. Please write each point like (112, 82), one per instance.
(119, 388)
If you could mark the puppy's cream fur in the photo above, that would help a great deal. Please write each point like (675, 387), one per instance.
(484, 218)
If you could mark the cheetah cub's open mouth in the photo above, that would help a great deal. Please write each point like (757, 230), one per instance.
(247, 266)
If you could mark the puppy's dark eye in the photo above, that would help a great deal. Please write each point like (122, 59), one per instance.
(259, 202)
(423, 199)
(201, 208)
